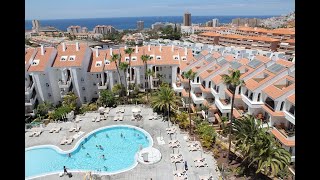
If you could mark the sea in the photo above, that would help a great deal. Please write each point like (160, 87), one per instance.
(122, 23)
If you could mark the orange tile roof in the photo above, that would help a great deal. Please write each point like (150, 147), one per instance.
(250, 70)
(290, 41)
(244, 61)
(112, 65)
(101, 57)
(205, 90)
(204, 52)
(217, 79)
(216, 55)
(282, 139)
(210, 34)
(184, 93)
(284, 62)
(292, 98)
(28, 54)
(263, 59)
(236, 96)
(229, 57)
(284, 31)
(183, 79)
(70, 50)
(272, 113)
(43, 59)
(252, 84)
(274, 92)
(236, 113)
(208, 72)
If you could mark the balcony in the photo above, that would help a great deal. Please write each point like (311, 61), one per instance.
(283, 137)
(195, 84)
(251, 103)
(266, 107)
(229, 93)
(177, 86)
(223, 105)
(29, 89)
(289, 116)
(182, 79)
(214, 92)
(65, 84)
(63, 93)
(102, 85)
(197, 97)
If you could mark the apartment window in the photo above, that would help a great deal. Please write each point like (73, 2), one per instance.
(134, 58)
(63, 58)
(239, 92)
(97, 76)
(157, 68)
(282, 104)
(259, 97)
(218, 89)
(246, 93)
(82, 79)
(127, 58)
(85, 99)
(94, 84)
(107, 62)
(250, 97)
(83, 88)
(72, 58)
(49, 94)
(158, 57)
(47, 84)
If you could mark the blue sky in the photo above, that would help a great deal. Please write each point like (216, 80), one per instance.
(69, 9)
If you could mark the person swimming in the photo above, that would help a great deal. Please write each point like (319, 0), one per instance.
(105, 168)
(121, 135)
(82, 146)
(88, 155)
(103, 157)
(100, 147)
(69, 155)
(107, 136)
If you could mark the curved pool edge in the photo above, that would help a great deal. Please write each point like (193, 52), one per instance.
(77, 145)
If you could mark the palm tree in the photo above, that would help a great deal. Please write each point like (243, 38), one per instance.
(190, 75)
(234, 81)
(259, 147)
(129, 51)
(165, 99)
(124, 66)
(223, 120)
(149, 74)
(145, 58)
(116, 59)
(160, 77)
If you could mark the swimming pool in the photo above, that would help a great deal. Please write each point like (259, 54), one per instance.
(119, 152)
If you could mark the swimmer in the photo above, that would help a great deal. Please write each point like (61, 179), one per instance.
(94, 135)
(107, 136)
(82, 146)
(88, 155)
(69, 155)
(103, 157)
(105, 168)
(121, 135)
(97, 146)
(100, 147)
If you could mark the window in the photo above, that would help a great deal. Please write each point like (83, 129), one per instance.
(157, 68)
(85, 99)
(158, 57)
(72, 58)
(107, 62)
(184, 58)
(98, 63)
(209, 84)
(97, 75)
(218, 89)
(170, 76)
(282, 104)
(63, 58)
(94, 84)
(83, 88)
(239, 92)
(35, 62)
(49, 94)
(127, 58)
(259, 96)
(134, 58)
(47, 84)
(82, 79)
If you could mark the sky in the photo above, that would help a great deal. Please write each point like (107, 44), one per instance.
(72, 9)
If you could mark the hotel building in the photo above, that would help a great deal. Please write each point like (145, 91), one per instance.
(268, 93)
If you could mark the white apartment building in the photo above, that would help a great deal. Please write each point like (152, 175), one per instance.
(268, 93)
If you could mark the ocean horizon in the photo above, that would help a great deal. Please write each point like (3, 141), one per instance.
(121, 23)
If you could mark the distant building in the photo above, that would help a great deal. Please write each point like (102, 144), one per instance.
(209, 23)
(140, 25)
(156, 26)
(252, 22)
(35, 24)
(104, 29)
(74, 29)
(187, 19)
(84, 30)
(186, 29)
(215, 22)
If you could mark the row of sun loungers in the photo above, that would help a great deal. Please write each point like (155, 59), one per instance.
(194, 148)
(174, 144)
(36, 133)
(180, 175)
(200, 164)
(194, 144)
(122, 110)
(176, 158)
(55, 129)
(171, 130)
(118, 117)
(75, 128)
(67, 140)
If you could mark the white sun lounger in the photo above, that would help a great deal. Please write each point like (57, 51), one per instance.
(193, 148)
(37, 134)
(199, 159)
(177, 160)
(32, 134)
(78, 128)
(116, 117)
(206, 177)
(120, 118)
(57, 129)
(122, 110)
(64, 140)
(70, 140)
(52, 130)
(98, 119)
(94, 119)
(200, 164)
(175, 156)
(179, 173)
(176, 141)
(72, 129)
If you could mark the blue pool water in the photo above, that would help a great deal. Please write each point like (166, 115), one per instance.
(119, 153)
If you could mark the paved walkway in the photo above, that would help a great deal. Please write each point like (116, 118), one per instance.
(162, 170)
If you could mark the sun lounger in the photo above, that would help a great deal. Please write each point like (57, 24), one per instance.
(184, 177)
(52, 130)
(72, 129)
(179, 173)
(205, 177)
(175, 156)
(120, 118)
(94, 119)
(57, 129)
(78, 128)
(32, 134)
(199, 159)
(64, 140)
(177, 160)
(200, 164)
(133, 118)
(176, 141)
(122, 110)
(193, 144)
(193, 148)
(70, 140)
(98, 120)
(37, 134)
(116, 117)
(174, 145)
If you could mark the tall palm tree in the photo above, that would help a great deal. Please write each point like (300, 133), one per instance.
(160, 77)
(129, 51)
(124, 66)
(149, 74)
(165, 99)
(116, 59)
(190, 75)
(145, 58)
(234, 81)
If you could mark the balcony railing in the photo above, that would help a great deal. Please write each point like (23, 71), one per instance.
(64, 84)
(269, 106)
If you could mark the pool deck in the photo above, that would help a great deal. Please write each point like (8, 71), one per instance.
(162, 170)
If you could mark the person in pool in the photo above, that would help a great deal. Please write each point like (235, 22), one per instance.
(107, 136)
(103, 157)
(100, 147)
(88, 155)
(121, 135)
(69, 155)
